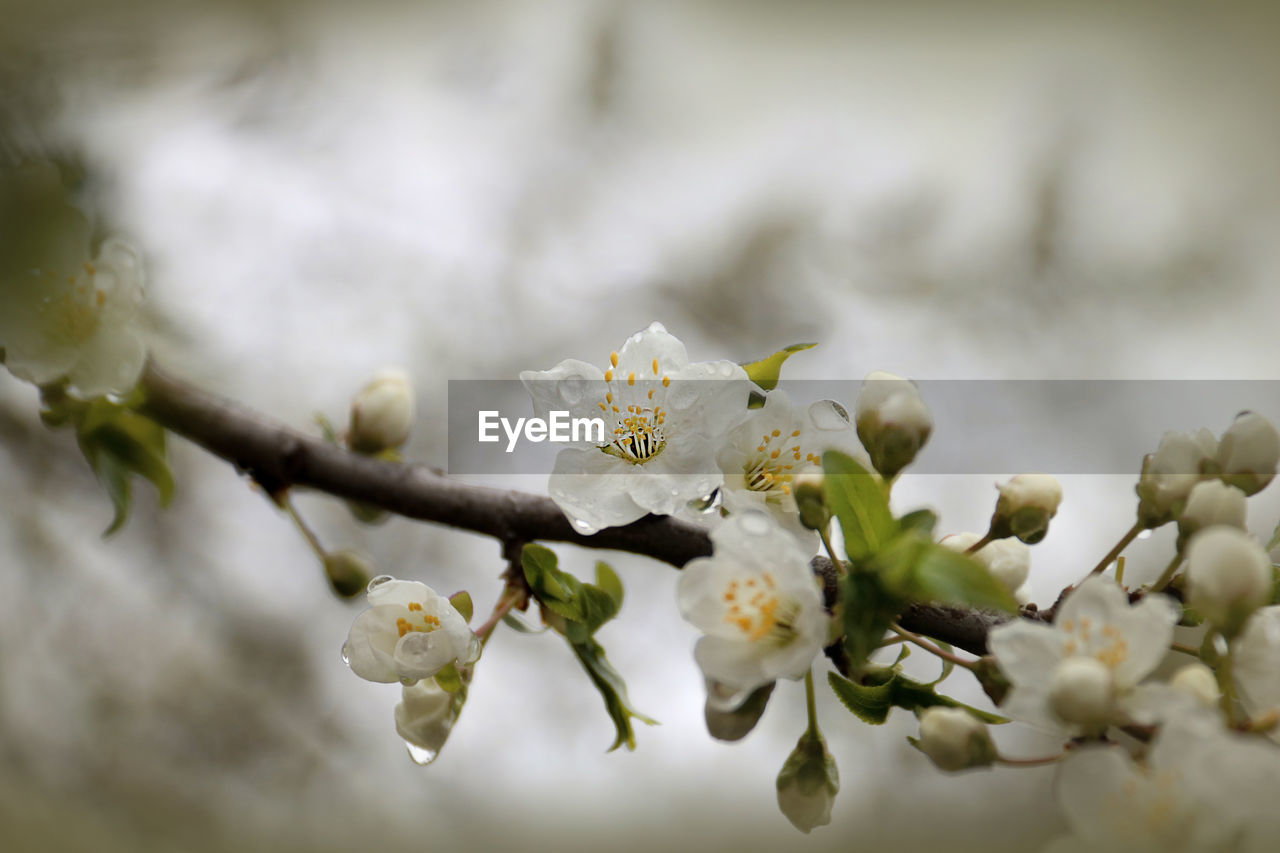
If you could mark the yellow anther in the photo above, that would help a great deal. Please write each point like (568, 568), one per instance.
(608, 398)
(795, 434)
(776, 433)
(603, 407)
(666, 380)
(655, 367)
(613, 359)
(631, 378)
(775, 454)
(608, 376)
(413, 605)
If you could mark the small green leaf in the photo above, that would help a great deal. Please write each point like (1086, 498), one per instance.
(736, 724)
(869, 703)
(613, 690)
(948, 577)
(517, 624)
(449, 680)
(868, 612)
(607, 579)
(857, 498)
(461, 602)
(921, 521)
(766, 372)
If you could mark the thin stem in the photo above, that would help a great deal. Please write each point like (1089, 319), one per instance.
(981, 543)
(307, 532)
(1226, 685)
(930, 647)
(502, 608)
(891, 641)
(811, 702)
(1119, 546)
(1185, 649)
(1167, 575)
(1030, 762)
(825, 534)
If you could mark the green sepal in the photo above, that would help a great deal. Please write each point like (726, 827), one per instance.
(117, 442)
(517, 624)
(462, 603)
(448, 679)
(858, 499)
(613, 690)
(736, 724)
(884, 688)
(767, 371)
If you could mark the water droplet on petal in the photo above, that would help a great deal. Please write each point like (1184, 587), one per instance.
(421, 755)
(377, 582)
(722, 697)
(346, 656)
(682, 395)
(755, 523)
(571, 389)
(583, 527)
(829, 415)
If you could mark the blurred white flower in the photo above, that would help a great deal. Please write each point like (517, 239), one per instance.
(1197, 681)
(408, 632)
(1228, 576)
(1201, 789)
(763, 455)
(665, 418)
(1255, 662)
(954, 739)
(65, 312)
(758, 603)
(1169, 474)
(1248, 452)
(892, 419)
(1095, 621)
(425, 716)
(382, 413)
(1008, 560)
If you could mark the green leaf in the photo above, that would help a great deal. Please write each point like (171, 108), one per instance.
(607, 579)
(868, 612)
(884, 688)
(921, 521)
(948, 577)
(517, 624)
(857, 498)
(766, 372)
(613, 690)
(449, 680)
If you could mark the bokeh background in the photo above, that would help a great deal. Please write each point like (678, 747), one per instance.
(981, 190)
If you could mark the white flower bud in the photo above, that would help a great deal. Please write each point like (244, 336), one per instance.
(1212, 502)
(1026, 504)
(1248, 452)
(1228, 576)
(1169, 474)
(382, 413)
(1199, 681)
(808, 783)
(954, 739)
(893, 421)
(1083, 691)
(1008, 560)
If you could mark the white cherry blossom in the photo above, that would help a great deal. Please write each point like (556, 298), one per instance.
(1256, 662)
(1008, 560)
(65, 311)
(1095, 621)
(665, 418)
(758, 604)
(409, 632)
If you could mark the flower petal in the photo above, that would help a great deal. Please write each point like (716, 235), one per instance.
(371, 644)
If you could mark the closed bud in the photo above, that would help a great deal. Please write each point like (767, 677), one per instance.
(348, 573)
(1082, 692)
(1197, 680)
(893, 421)
(1212, 502)
(382, 413)
(1248, 452)
(1026, 504)
(811, 500)
(954, 739)
(808, 783)
(1228, 577)
(1168, 475)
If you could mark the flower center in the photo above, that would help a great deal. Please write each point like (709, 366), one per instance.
(637, 412)
(756, 609)
(1111, 648)
(773, 468)
(75, 313)
(418, 620)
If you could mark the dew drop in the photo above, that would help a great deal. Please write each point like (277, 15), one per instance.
(421, 755)
(829, 415)
(722, 697)
(1146, 534)
(571, 390)
(377, 582)
(682, 395)
(755, 523)
(583, 527)
(346, 656)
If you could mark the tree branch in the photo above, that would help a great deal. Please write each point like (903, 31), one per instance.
(278, 457)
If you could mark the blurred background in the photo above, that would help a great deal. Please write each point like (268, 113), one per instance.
(984, 191)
